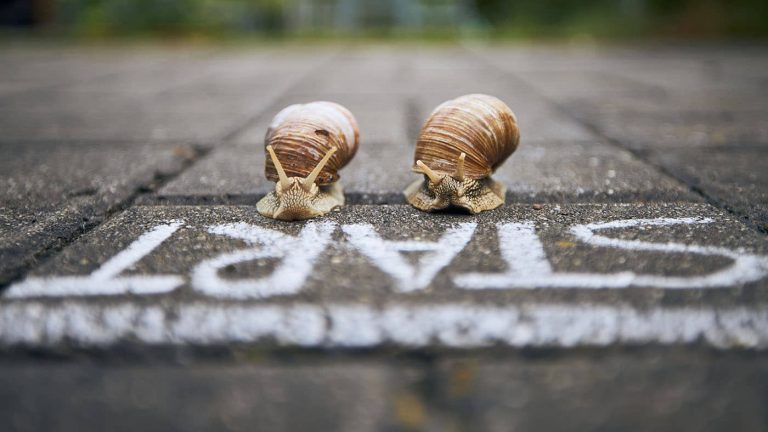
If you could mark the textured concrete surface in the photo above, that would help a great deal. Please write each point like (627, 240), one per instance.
(622, 287)
(52, 190)
(343, 397)
(664, 391)
(698, 113)
(342, 271)
(605, 392)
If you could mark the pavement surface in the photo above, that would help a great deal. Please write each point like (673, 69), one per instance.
(624, 285)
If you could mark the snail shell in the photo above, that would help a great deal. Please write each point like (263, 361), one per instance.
(307, 145)
(461, 144)
(302, 134)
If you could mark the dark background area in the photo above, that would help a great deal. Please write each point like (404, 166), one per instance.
(389, 18)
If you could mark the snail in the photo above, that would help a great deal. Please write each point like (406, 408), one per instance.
(307, 145)
(460, 145)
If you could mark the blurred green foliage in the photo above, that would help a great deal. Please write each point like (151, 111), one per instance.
(495, 18)
(168, 17)
(686, 18)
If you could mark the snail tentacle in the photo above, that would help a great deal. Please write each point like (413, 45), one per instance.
(284, 182)
(459, 173)
(433, 177)
(309, 181)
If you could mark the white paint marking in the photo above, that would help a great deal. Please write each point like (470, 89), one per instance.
(105, 280)
(386, 255)
(458, 325)
(297, 255)
(529, 267)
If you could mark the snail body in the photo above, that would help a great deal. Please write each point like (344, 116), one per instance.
(307, 144)
(460, 145)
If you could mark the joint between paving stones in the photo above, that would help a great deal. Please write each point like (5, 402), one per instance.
(51, 249)
(640, 154)
(142, 190)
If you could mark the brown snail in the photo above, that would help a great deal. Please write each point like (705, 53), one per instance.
(307, 145)
(460, 145)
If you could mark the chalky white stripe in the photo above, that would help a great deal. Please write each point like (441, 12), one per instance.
(456, 325)
(106, 279)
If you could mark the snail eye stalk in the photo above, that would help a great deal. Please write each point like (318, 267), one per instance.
(284, 182)
(310, 179)
(433, 177)
(459, 173)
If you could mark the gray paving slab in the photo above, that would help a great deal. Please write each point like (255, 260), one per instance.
(698, 115)
(136, 125)
(340, 397)
(50, 191)
(199, 99)
(31, 67)
(734, 176)
(586, 274)
(661, 390)
(627, 391)
(174, 70)
(670, 67)
(658, 130)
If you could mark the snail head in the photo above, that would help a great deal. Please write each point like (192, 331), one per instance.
(295, 196)
(454, 189)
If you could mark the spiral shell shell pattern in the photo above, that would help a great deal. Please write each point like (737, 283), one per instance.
(479, 125)
(302, 134)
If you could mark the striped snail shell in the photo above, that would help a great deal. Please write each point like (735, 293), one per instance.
(461, 144)
(307, 145)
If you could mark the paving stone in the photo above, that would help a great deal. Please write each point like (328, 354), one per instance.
(659, 390)
(32, 66)
(361, 71)
(661, 130)
(340, 397)
(52, 190)
(691, 74)
(122, 125)
(175, 71)
(699, 114)
(664, 391)
(177, 100)
(671, 263)
(587, 170)
(734, 176)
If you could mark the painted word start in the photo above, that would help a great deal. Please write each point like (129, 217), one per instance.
(519, 245)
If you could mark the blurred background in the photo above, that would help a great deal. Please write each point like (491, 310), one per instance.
(388, 18)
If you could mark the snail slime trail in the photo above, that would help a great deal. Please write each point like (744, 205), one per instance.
(460, 145)
(307, 145)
